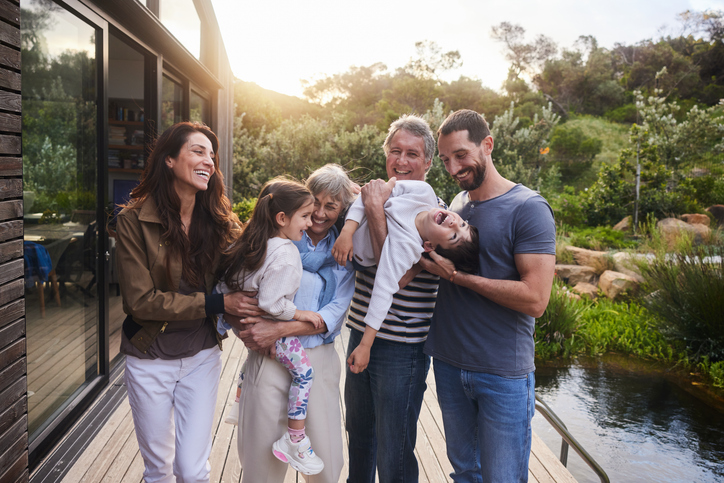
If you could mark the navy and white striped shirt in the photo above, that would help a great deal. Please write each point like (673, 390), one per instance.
(408, 319)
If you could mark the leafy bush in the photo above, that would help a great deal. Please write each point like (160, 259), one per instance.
(624, 327)
(555, 328)
(599, 238)
(568, 206)
(687, 292)
(244, 208)
(574, 152)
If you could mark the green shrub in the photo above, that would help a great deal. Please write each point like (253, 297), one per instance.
(625, 113)
(687, 292)
(625, 327)
(599, 238)
(555, 328)
(714, 370)
(568, 207)
(244, 208)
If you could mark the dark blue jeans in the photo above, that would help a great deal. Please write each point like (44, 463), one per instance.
(383, 405)
(487, 423)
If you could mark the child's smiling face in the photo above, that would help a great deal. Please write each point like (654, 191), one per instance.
(445, 229)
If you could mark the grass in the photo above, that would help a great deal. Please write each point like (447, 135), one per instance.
(615, 136)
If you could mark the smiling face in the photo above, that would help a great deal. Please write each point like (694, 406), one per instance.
(292, 228)
(465, 161)
(444, 229)
(406, 157)
(325, 214)
(194, 165)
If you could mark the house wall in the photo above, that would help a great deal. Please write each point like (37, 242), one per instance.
(13, 361)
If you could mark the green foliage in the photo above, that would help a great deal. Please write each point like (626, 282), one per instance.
(517, 154)
(599, 238)
(555, 328)
(244, 208)
(624, 327)
(574, 153)
(715, 371)
(568, 206)
(687, 292)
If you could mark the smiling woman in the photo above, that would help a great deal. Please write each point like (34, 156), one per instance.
(168, 240)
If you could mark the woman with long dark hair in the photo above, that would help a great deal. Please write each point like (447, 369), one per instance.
(169, 238)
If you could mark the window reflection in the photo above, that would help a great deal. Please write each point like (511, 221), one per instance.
(200, 109)
(182, 20)
(59, 139)
(172, 96)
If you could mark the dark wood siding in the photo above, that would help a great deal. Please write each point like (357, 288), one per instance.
(13, 361)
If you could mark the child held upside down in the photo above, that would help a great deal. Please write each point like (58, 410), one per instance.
(415, 225)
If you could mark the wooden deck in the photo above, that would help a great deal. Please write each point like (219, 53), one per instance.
(113, 456)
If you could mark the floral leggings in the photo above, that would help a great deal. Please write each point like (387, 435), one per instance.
(292, 355)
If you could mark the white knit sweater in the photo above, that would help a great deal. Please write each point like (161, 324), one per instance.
(403, 245)
(277, 280)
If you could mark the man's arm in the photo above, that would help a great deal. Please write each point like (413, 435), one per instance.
(529, 295)
(374, 196)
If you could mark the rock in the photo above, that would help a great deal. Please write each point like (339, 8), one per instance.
(599, 261)
(623, 225)
(575, 273)
(717, 212)
(613, 284)
(696, 218)
(672, 229)
(625, 263)
(586, 289)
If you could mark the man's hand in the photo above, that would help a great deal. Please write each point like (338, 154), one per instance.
(242, 304)
(439, 265)
(359, 359)
(377, 191)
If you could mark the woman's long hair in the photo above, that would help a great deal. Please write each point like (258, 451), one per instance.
(279, 195)
(212, 218)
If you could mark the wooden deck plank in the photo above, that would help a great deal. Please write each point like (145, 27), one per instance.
(114, 457)
(87, 460)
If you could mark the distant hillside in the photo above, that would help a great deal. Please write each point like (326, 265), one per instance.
(263, 107)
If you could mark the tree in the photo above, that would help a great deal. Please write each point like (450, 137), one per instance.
(431, 61)
(524, 57)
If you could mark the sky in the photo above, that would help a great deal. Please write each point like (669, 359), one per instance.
(278, 43)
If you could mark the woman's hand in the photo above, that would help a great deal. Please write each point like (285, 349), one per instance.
(242, 304)
(260, 335)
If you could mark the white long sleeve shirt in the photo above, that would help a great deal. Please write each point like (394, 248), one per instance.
(402, 247)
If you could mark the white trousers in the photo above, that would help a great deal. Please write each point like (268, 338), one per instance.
(173, 406)
(263, 417)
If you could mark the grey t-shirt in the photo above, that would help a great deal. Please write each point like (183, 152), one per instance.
(470, 331)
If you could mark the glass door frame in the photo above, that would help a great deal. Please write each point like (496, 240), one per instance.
(49, 434)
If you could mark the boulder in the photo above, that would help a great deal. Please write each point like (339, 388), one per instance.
(717, 212)
(625, 263)
(599, 261)
(696, 219)
(624, 225)
(672, 229)
(613, 284)
(586, 289)
(574, 274)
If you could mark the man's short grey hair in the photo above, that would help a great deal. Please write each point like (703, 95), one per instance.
(333, 179)
(416, 126)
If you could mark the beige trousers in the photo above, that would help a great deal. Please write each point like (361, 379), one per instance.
(263, 417)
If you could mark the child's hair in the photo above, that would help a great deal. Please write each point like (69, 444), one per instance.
(279, 195)
(465, 255)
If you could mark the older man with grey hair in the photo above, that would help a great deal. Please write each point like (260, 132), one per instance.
(383, 402)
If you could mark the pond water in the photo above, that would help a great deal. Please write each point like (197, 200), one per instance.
(637, 427)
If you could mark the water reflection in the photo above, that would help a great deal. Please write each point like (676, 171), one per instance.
(638, 427)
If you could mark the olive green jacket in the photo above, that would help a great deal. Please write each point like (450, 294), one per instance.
(148, 286)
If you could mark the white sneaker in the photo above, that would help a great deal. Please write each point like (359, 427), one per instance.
(232, 417)
(299, 455)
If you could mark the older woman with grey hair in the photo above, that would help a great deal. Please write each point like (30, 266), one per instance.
(326, 288)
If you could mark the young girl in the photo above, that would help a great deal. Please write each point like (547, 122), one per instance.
(265, 260)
